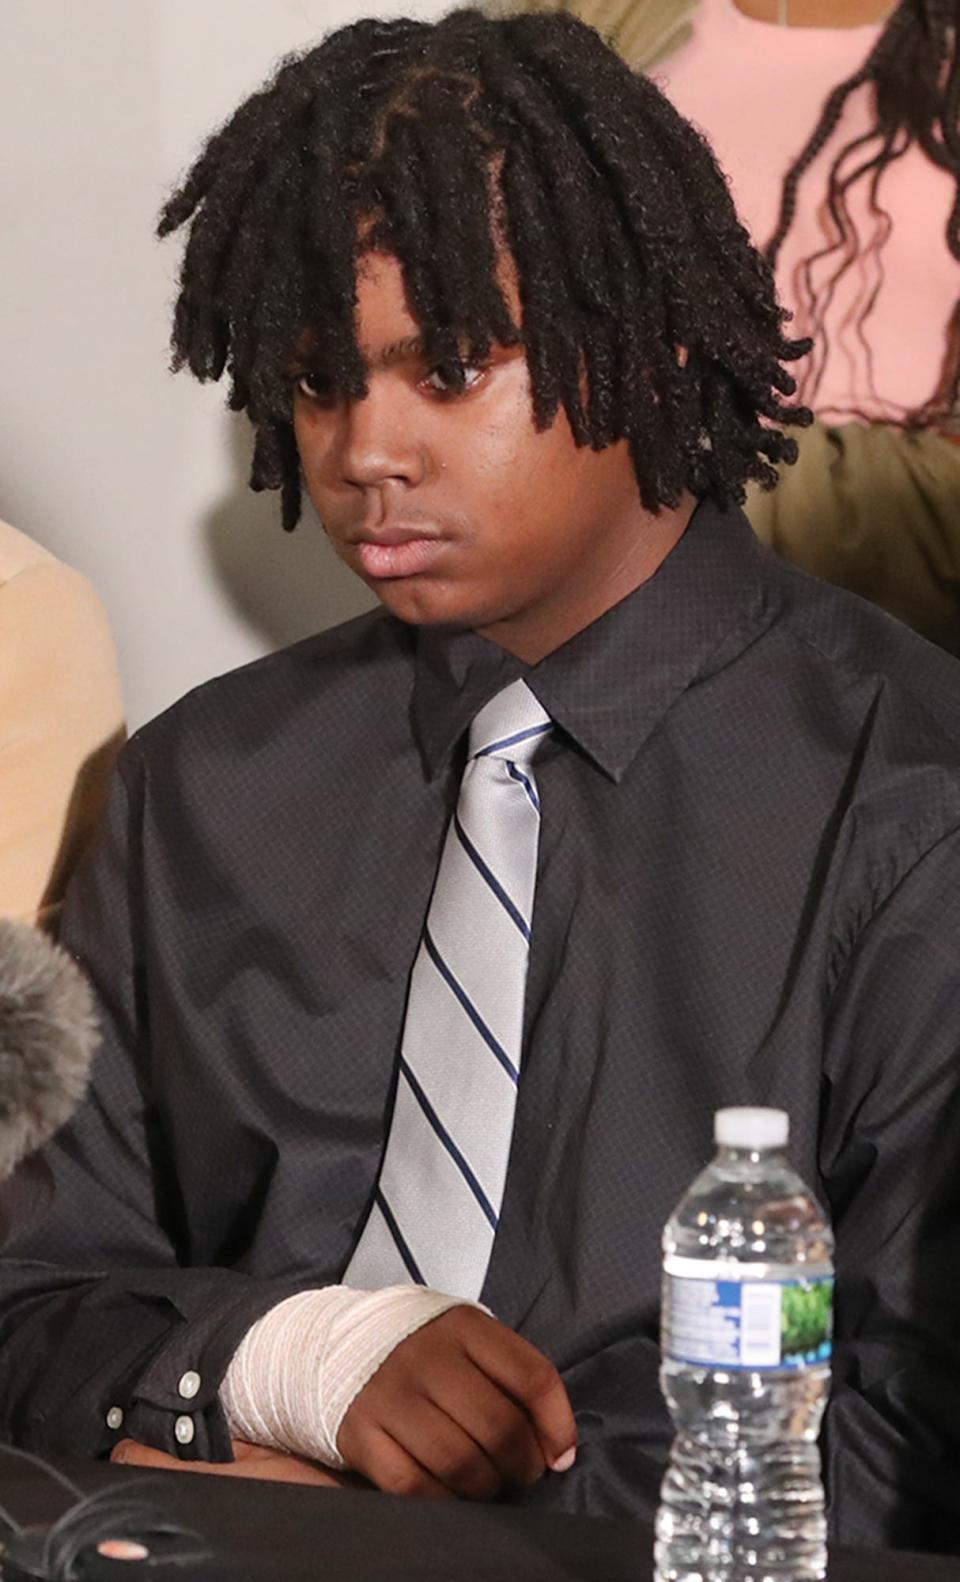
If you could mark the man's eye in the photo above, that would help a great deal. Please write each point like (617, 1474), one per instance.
(314, 386)
(453, 377)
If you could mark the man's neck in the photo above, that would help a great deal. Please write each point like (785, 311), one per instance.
(531, 635)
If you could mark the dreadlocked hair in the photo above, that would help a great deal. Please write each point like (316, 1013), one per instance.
(647, 314)
(913, 72)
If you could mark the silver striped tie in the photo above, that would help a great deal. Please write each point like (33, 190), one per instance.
(438, 1198)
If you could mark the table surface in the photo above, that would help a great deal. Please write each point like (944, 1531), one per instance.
(251, 1531)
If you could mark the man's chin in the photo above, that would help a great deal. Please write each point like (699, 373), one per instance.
(425, 606)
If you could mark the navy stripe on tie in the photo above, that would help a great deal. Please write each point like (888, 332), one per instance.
(520, 736)
(490, 877)
(469, 1007)
(518, 774)
(449, 1144)
(397, 1235)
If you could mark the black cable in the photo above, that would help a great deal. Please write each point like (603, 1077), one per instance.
(10, 1521)
(110, 1513)
(38, 1461)
(117, 1511)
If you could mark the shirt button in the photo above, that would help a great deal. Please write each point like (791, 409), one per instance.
(184, 1430)
(189, 1385)
(115, 1417)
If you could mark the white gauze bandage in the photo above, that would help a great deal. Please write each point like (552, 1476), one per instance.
(300, 1367)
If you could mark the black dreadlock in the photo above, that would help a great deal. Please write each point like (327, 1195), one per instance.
(436, 141)
(913, 71)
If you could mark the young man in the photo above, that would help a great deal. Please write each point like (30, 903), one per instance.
(427, 948)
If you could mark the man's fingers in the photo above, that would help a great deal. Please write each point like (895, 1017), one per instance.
(132, 1454)
(498, 1425)
(252, 1462)
(530, 1378)
(272, 1466)
(445, 1450)
(388, 1465)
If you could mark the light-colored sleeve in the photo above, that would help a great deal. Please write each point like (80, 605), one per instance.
(300, 1367)
(61, 723)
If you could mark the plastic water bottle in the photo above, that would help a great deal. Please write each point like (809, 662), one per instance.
(746, 1332)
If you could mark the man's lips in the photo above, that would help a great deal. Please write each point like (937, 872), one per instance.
(398, 551)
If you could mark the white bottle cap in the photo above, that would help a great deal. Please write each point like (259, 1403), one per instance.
(751, 1128)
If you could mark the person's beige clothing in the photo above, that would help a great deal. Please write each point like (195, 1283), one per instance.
(875, 509)
(61, 722)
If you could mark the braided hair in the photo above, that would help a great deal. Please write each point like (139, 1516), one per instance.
(913, 71)
(647, 314)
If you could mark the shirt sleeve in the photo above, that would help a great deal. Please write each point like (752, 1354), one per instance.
(890, 1161)
(104, 1330)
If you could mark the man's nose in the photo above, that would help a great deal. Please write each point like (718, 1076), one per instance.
(379, 441)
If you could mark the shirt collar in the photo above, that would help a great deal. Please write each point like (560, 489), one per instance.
(610, 684)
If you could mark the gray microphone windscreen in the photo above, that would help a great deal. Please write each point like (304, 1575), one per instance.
(48, 1035)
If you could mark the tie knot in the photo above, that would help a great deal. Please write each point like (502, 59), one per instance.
(512, 725)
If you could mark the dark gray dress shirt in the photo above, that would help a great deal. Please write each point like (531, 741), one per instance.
(748, 892)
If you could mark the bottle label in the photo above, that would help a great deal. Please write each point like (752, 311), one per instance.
(722, 1319)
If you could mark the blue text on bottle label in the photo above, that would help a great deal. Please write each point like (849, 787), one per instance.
(730, 1323)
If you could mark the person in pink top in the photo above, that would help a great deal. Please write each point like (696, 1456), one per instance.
(838, 128)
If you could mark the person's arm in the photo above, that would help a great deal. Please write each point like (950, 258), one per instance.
(106, 1338)
(102, 1332)
(890, 1159)
(413, 1392)
(61, 725)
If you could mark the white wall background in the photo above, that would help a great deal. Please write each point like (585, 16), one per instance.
(133, 475)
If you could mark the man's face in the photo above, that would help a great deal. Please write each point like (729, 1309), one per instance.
(451, 505)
